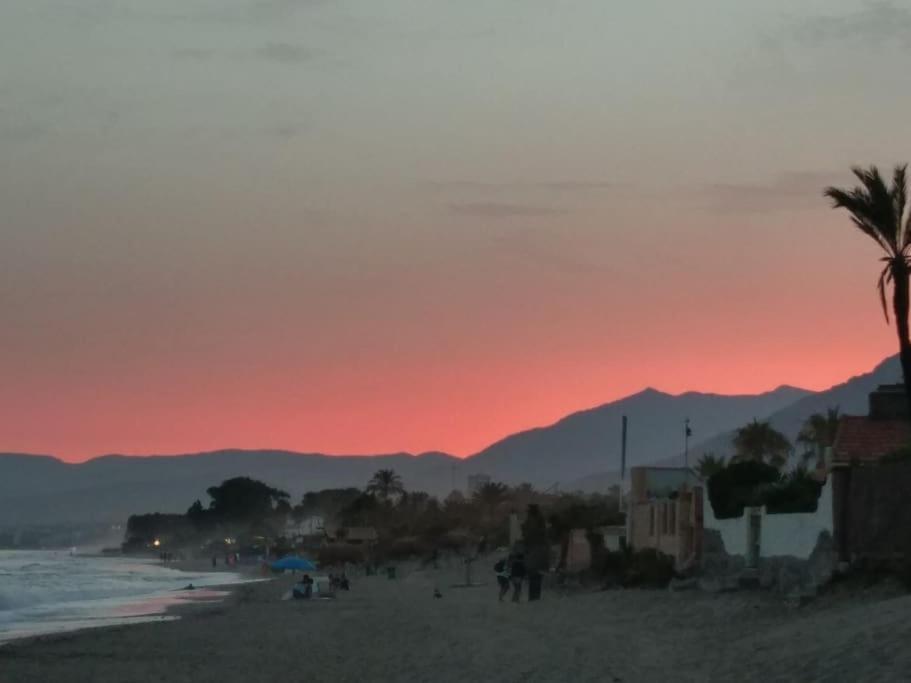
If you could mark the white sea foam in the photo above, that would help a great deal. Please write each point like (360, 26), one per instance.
(48, 591)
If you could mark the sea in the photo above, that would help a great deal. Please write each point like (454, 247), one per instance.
(50, 591)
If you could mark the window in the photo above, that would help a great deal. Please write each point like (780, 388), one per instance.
(663, 519)
(651, 520)
(672, 515)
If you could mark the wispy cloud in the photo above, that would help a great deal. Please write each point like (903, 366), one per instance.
(503, 210)
(286, 53)
(875, 24)
(793, 191)
(555, 185)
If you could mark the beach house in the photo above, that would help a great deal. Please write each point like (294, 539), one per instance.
(665, 512)
(871, 477)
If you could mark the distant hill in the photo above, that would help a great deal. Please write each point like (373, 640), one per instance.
(580, 451)
(850, 397)
(43, 489)
(590, 441)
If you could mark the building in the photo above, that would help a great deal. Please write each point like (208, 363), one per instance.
(476, 482)
(665, 512)
(871, 478)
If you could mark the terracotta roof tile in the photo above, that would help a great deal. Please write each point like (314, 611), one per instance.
(865, 439)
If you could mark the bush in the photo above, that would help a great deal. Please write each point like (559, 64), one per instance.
(739, 485)
(647, 568)
(798, 492)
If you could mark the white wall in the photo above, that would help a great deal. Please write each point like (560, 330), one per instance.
(793, 534)
(796, 534)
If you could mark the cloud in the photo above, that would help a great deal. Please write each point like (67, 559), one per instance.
(555, 185)
(193, 53)
(876, 24)
(286, 53)
(793, 191)
(212, 12)
(498, 210)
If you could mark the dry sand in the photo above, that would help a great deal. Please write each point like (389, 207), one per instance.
(385, 630)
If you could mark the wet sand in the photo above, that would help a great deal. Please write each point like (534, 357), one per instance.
(394, 630)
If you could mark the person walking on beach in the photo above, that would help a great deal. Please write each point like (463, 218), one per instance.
(502, 570)
(517, 575)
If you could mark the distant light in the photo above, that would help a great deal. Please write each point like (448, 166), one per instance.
(229, 541)
(156, 543)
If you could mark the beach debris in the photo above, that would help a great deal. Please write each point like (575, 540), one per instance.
(436, 593)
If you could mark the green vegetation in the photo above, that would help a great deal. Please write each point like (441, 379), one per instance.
(256, 517)
(817, 434)
(878, 210)
(752, 484)
(760, 442)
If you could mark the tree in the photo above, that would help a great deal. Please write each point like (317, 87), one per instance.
(385, 484)
(818, 433)
(879, 212)
(491, 494)
(244, 499)
(760, 442)
(709, 464)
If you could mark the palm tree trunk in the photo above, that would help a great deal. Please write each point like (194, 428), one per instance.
(900, 301)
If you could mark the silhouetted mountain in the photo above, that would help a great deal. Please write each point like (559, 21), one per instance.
(850, 397)
(41, 489)
(579, 451)
(590, 441)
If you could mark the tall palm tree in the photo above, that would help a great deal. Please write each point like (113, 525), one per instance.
(879, 212)
(818, 433)
(385, 484)
(760, 442)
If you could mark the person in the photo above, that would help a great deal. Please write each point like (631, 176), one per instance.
(502, 570)
(214, 561)
(517, 575)
(343, 582)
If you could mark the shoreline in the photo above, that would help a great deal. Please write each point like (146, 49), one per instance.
(149, 608)
(395, 630)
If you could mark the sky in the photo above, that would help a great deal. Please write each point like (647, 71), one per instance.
(353, 226)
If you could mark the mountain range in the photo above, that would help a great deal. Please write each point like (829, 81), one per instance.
(579, 452)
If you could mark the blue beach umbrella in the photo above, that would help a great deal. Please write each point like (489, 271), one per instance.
(294, 562)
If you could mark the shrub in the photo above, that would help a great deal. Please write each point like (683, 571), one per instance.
(738, 485)
(650, 568)
(798, 492)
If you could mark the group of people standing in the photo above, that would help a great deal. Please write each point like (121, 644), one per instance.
(529, 559)
(513, 571)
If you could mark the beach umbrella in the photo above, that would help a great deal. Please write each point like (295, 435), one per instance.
(294, 562)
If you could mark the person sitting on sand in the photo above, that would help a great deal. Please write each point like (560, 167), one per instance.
(517, 575)
(502, 570)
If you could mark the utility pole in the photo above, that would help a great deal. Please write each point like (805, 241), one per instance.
(623, 452)
(686, 442)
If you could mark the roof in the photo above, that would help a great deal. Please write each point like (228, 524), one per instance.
(866, 439)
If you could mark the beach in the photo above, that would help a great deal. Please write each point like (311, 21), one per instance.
(395, 630)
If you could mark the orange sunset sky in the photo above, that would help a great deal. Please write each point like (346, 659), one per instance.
(362, 227)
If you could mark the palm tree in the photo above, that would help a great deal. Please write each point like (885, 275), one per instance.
(879, 212)
(709, 464)
(760, 442)
(385, 484)
(818, 433)
(491, 494)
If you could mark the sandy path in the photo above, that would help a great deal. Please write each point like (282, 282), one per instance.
(396, 631)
